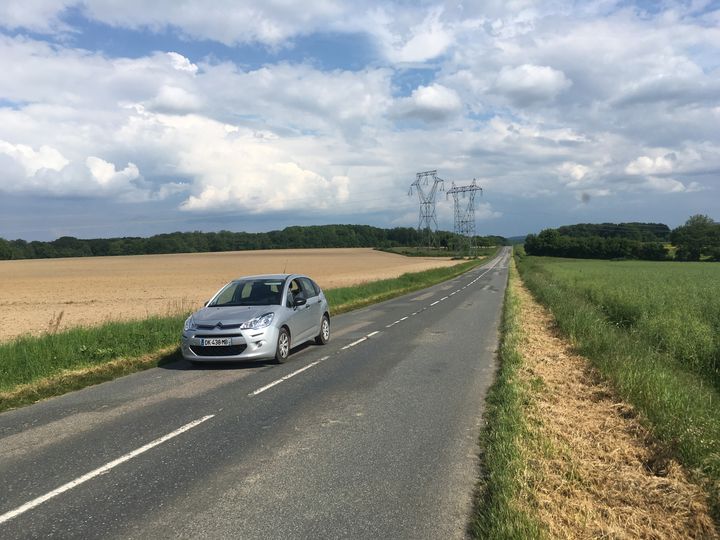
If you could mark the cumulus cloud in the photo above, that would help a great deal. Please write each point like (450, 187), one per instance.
(425, 41)
(528, 84)
(648, 165)
(432, 103)
(33, 160)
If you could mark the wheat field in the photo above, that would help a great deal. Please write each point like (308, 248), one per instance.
(42, 295)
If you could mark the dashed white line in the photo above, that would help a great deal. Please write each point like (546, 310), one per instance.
(371, 334)
(7, 516)
(444, 298)
(353, 343)
(435, 302)
(286, 377)
(403, 319)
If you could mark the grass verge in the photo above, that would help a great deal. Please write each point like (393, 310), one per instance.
(502, 509)
(34, 368)
(680, 407)
(345, 299)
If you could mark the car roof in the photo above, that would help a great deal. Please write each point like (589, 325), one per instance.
(270, 276)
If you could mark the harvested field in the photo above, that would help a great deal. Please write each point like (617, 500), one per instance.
(38, 296)
(596, 473)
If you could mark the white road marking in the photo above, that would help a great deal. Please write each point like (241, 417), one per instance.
(390, 325)
(7, 516)
(435, 302)
(353, 343)
(286, 377)
(371, 334)
(444, 298)
(403, 319)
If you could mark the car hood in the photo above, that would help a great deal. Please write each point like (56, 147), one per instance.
(233, 315)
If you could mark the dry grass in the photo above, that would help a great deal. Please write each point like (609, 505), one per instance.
(93, 290)
(594, 470)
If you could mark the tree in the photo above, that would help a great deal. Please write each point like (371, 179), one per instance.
(699, 236)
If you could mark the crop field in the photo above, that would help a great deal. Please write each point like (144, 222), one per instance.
(47, 295)
(653, 329)
(672, 307)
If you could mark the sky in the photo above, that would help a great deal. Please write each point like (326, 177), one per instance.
(132, 118)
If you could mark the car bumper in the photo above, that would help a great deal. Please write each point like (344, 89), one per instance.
(244, 345)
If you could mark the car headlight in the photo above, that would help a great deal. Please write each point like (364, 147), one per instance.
(258, 322)
(189, 324)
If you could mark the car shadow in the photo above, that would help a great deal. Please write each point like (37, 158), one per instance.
(175, 361)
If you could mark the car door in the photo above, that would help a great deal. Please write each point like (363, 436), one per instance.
(313, 306)
(300, 321)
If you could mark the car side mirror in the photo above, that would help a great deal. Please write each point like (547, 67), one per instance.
(299, 302)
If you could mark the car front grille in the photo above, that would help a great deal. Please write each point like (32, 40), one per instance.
(216, 335)
(231, 350)
(218, 326)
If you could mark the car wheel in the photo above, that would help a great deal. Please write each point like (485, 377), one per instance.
(324, 336)
(283, 346)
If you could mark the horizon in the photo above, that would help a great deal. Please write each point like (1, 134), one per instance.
(121, 120)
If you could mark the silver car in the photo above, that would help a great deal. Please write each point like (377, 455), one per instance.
(257, 317)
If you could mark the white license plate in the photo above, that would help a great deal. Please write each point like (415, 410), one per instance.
(215, 342)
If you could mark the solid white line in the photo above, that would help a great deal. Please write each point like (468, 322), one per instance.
(371, 334)
(286, 377)
(353, 343)
(101, 470)
(435, 302)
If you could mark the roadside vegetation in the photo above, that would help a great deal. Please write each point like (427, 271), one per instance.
(653, 331)
(503, 500)
(32, 368)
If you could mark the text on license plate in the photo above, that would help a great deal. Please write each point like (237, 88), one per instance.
(215, 342)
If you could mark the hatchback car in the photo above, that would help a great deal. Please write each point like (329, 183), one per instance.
(257, 318)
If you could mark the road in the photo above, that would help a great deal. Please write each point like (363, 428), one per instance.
(371, 436)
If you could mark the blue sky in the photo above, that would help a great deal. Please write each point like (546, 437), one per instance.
(129, 118)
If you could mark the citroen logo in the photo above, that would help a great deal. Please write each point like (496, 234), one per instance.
(219, 325)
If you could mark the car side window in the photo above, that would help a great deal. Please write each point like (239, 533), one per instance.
(294, 291)
(308, 287)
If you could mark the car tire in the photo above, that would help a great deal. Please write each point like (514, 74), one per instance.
(282, 351)
(324, 336)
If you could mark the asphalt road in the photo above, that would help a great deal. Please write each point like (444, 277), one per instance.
(371, 436)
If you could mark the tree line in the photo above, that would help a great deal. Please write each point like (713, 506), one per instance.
(315, 236)
(698, 238)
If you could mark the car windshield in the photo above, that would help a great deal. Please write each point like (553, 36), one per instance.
(250, 292)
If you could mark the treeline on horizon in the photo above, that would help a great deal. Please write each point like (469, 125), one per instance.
(698, 239)
(314, 236)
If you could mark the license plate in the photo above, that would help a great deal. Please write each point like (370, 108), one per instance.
(215, 342)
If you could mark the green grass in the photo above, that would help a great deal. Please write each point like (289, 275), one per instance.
(651, 328)
(502, 506)
(33, 368)
(348, 298)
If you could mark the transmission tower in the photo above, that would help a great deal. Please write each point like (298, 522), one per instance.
(428, 218)
(464, 215)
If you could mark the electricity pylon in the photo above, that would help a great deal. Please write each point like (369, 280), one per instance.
(428, 217)
(464, 215)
